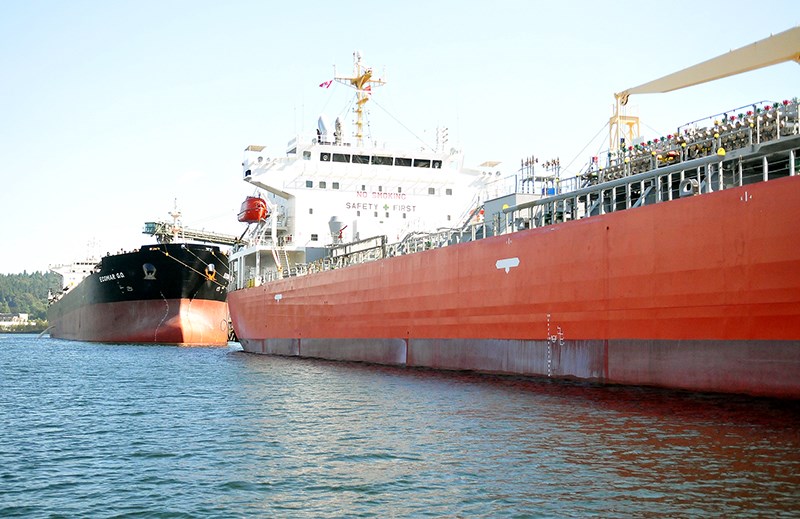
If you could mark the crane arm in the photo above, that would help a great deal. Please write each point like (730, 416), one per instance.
(784, 46)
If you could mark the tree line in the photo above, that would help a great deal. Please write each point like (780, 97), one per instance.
(27, 293)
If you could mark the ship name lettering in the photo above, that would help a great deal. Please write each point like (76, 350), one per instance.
(109, 277)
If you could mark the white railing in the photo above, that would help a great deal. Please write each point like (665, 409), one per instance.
(734, 152)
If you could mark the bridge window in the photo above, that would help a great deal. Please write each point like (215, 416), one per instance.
(335, 185)
(341, 157)
(309, 183)
(323, 184)
(437, 164)
(360, 159)
(448, 191)
(325, 157)
(422, 163)
(381, 161)
(431, 191)
(306, 155)
(402, 161)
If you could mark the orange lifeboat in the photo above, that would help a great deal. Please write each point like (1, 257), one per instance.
(254, 209)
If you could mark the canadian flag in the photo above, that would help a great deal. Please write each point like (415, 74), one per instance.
(368, 89)
(326, 84)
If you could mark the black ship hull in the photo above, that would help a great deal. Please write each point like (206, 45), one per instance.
(163, 293)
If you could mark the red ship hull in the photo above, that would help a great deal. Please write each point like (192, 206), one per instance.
(701, 293)
(174, 321)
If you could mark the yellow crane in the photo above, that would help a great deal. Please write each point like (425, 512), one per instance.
(777, 48)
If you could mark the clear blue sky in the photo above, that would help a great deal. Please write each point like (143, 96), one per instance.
(111, 110)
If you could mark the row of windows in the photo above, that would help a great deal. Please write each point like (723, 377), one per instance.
(335, 185)
(377, 160)
(375, 214)
(322, 184)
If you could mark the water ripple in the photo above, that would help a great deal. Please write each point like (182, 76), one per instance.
(94, 430)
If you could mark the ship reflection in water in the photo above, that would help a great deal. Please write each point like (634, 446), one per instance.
(474, 445)
(104, 430)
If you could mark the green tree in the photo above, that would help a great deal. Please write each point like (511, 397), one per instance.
(27, 293)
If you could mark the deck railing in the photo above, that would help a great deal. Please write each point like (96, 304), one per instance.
(747, 165)
(735, 151)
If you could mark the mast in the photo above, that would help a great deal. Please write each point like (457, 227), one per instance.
(177, 226)
(362, 81)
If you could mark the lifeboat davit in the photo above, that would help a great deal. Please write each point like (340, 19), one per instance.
(254, 210)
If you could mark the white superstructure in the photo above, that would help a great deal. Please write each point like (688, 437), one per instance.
(330, 188)
(72, 274)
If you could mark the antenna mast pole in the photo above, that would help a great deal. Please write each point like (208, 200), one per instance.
(362, 81)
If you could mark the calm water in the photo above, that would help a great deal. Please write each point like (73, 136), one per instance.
(92, 430)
